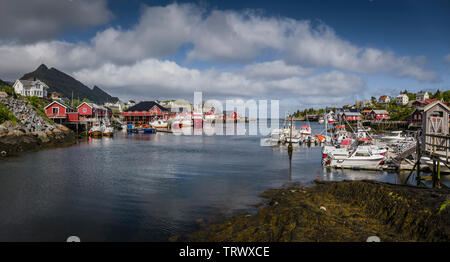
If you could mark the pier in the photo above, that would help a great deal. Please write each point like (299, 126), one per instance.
(433, 143)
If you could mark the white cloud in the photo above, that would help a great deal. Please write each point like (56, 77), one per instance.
(230, 36)
(134, 62)
(28, 21)
(275, 70)
(153, 78)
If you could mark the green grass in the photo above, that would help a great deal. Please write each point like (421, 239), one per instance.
(6, 115)
(38, 106)
(7, 89)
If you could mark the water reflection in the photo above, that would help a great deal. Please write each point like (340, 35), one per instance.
(149, 187)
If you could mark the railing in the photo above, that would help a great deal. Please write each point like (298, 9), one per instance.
(57, 115)
(437, 145)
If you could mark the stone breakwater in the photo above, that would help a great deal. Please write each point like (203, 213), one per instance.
(32, 132)
(30, 120)
(339, 211)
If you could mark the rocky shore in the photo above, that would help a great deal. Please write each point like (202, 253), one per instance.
(339, 211)
(32, 132)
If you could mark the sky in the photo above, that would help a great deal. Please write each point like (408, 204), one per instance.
(303, 53)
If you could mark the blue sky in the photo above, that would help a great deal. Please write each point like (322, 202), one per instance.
(304, 53)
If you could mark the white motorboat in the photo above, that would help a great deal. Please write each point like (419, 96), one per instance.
(362, 157)
(159, 124)
(276, 135)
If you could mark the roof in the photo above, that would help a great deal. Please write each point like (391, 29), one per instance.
(59, 103)
(430, 105)
(383, 97)
(426, 101)
(30, 83)
(146, 106)
(380, 112)
(352, 114)
(402, 95)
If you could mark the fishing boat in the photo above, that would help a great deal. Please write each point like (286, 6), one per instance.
(305, 130)
(107, 128)
(159, 124)
(96, 130)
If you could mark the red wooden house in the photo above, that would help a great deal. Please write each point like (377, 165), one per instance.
(351, 116)
(416, 116)
(145, 112)
(62, 112)
(378, 115)
(91, 110)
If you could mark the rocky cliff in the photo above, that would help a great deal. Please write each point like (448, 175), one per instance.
(32, 132)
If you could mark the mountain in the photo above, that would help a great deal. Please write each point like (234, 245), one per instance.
(5, 83)
(66, 85)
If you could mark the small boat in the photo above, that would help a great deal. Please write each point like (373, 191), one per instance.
(186, 123)
(159, 124)
(96, 130)
(108, 130)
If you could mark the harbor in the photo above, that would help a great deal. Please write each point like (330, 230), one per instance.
(225, 121)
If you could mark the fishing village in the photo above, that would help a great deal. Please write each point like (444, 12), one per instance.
(353, 137)
(225, 121)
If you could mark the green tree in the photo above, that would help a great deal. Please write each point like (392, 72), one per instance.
(446, 96)
(437, 95)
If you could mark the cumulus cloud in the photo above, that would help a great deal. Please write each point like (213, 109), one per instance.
(155, 78)
(230, 36)
(299, 59)
(28, 21)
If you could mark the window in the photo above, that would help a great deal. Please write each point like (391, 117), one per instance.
(84, 110)
(55, 110)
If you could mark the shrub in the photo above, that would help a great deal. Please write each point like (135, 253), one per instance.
(7, 89)
(6, 115)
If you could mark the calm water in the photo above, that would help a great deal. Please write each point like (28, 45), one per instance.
(146, 187)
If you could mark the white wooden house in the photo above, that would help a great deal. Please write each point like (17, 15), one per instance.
(31, 88)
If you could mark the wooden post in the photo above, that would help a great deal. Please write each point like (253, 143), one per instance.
(419, 156)
(438, 175)
(434, 173)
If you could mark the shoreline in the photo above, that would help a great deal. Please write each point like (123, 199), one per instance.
(338, 211)
(18, 143)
